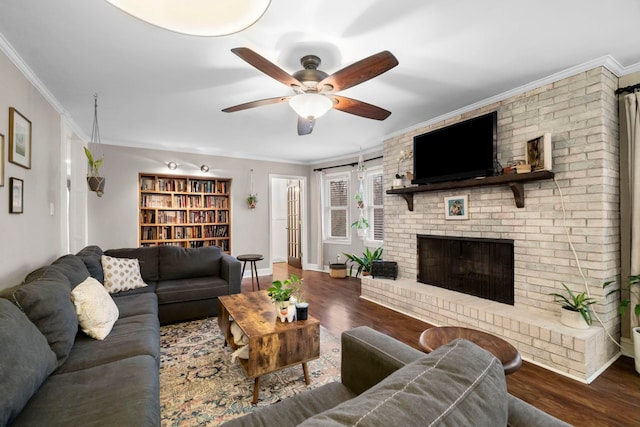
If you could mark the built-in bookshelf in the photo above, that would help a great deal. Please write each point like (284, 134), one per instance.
(184, 211)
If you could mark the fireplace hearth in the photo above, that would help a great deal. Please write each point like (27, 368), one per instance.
(474, 266)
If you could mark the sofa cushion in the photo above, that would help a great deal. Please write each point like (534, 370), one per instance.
(91, 256)
(122, 393)
(95, 309)
(185, 263)
(48, 305)
(134, 304)
(195, 289)
(25, 360)
(457, 384)
(73, 267)
(48, 273)
(121, 274)
(130, 336)
(295, 409)
(146, 256)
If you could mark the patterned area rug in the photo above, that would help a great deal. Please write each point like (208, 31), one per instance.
(200, 386)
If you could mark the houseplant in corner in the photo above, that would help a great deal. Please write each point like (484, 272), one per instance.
(576, 312)
(94, 180)
(364, 262)
(633, 286)
(280, 293)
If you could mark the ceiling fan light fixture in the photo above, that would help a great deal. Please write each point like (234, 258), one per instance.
(196, 17)
(310, 105)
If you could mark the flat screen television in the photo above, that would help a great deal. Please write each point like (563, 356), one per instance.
(463, 150)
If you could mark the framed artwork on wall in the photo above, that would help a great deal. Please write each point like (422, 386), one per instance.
(16, 195)
(19, 139)
(456, 207)
(538, 153)
(1, 160)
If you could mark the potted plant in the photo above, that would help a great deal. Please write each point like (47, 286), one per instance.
(281, 292)
(633, 286)
(576, 312)
(364, 262)
(94, 180)
(302, 306)
(399, 179)
(252, 200)
(361, 225)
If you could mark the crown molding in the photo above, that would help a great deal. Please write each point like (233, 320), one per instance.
(606, 61)
(28, 73)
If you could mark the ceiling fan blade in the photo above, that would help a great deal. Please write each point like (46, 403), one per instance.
(254, 104)
(359, 72)
(266, 66)
(305, 126)
(359, 108)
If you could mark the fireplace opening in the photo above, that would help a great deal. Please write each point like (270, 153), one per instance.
(474, 266)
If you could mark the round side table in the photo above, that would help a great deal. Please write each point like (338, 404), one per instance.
(432, 338)
(251, 259)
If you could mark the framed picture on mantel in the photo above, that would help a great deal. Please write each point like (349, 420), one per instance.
(538, 153)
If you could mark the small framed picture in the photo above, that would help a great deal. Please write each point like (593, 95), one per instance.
(1, 160)
(538, 153)
(19, 139)
(16, 195)
(456, 207)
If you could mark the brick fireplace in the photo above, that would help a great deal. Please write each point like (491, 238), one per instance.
(567, 231)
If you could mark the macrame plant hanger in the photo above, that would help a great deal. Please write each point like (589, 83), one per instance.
(94, 155)
(361, 224)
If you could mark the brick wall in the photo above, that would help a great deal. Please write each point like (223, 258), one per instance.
(581, 114)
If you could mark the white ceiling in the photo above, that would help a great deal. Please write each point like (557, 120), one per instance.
(164, 90)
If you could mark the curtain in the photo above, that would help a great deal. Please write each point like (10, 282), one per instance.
(632, 102)
(319, 212)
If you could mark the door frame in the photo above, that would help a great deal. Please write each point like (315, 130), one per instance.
(304, 189)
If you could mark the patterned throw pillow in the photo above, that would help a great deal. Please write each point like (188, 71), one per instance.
(121, 274)
(95, 308)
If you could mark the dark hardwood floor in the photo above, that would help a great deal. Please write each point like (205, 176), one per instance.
(613, 399)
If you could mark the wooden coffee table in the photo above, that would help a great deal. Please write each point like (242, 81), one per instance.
(432, 338)
(273, 345)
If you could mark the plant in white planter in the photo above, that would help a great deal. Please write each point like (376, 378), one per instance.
(575, 308)
(281, 293)
(633, 286)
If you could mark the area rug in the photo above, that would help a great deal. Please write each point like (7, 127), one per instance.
(201, 386)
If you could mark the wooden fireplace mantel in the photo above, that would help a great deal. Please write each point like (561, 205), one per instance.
(514, 181)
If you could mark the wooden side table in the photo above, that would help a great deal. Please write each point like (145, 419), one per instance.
(432, 338)
(251, 259)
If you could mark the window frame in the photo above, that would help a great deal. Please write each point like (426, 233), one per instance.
(369, 205)
(327, 208)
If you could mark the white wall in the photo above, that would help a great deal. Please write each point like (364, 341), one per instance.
(33, 238)
(113, 218)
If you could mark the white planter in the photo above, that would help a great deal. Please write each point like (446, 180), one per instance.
(635, 332)
(397, 183)
(572, 319)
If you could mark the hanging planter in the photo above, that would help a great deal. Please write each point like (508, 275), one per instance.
(95, 181)
(252, 200)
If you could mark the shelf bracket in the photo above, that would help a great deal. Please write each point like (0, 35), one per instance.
(518, 193)
(409, 198)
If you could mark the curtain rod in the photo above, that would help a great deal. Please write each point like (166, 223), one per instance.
(346, 164)
(627, 89)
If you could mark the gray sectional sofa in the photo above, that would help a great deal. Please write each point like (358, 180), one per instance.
(53, 374)
(387, 383)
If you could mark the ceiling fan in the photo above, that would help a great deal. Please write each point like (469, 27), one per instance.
(315, 91)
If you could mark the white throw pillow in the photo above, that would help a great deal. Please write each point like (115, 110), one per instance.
(95, 308)
(121, 274)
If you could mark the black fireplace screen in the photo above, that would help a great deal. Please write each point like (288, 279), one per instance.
(479, 267)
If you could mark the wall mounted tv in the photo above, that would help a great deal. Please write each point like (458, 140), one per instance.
(463, 150)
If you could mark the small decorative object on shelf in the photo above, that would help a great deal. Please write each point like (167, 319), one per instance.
(575, 308)
(399, 179)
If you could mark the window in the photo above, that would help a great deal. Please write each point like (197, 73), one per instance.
(336, 207)
(374, 199)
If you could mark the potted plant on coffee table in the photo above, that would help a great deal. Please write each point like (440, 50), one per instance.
(575, 312)
(281, 292)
